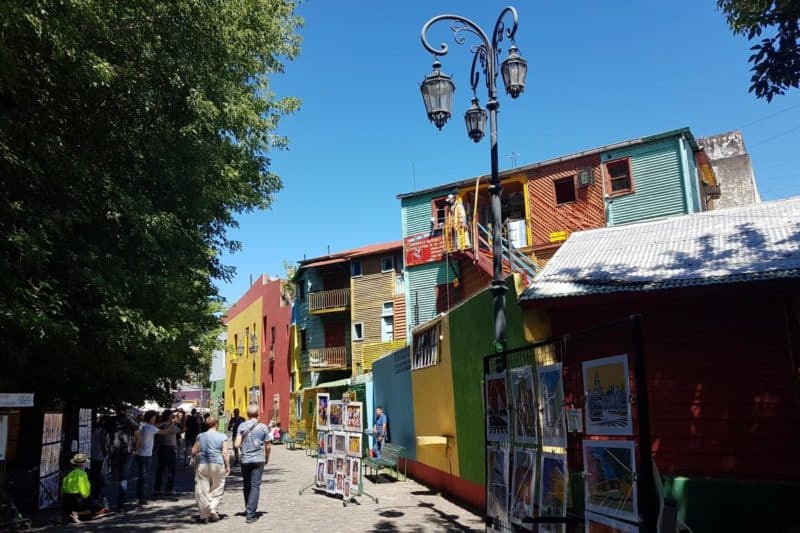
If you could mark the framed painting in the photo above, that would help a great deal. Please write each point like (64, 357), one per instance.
(322, 438)
(346, 490)
(355, 471)
(340, 461)
(607, 389)
(523, 482)
(335, 414)
(497, 486)
(323, 412)
(610, 482)
(353, 413)
(497, 420)
(553, 483)
(551, 405)
(330, 467)
(340, 483)
(329, 443)
(354, 444)
(597, 523)
(339, 443)
(524, 405)
(320, 479)
(330, 485)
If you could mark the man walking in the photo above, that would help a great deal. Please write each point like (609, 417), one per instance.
(167, 452)
(122, 442)
(144, 455)
(253, 440)
(379, 430)
(192, 430)
(233, 427)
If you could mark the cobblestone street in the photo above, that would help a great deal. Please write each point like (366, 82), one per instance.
(402, 506)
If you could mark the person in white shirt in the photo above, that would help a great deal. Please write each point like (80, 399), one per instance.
(144, 455)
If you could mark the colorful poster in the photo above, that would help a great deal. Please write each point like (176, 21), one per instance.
(423, 248)
(497, 421)
(322, 438)
(610, 468)
(355, 471)
(323, 420)
(330, 467)
(497, 480)
(320, 479)
(329, 443)
(346, 491)
(339, 443)
(523, 481)
(524, 407)
(553, 484)
(335, 414)
(607, 388)
(354, 444)
(551, 404)
(340, 461)
(339, 483)
(330, 485)
(3, 436)
(49, 491)
(597, 523)
(353, 417)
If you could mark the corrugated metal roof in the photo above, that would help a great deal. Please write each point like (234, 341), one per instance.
(750, 243)
(339, 257)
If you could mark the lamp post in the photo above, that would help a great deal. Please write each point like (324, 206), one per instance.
(437, 93)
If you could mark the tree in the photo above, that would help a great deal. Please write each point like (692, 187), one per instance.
(287, 279)
(131, 133)
(776, 59)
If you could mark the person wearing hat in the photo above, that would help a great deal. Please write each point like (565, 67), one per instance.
(75, 490)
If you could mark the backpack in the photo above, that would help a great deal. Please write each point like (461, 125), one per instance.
(120, 441)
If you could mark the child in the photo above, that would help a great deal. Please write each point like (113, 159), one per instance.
(275, 433)
(76, 489)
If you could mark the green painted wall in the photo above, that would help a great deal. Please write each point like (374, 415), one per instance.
(217, 393)
(472, 337)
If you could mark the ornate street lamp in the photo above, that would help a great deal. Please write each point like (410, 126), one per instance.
(240, 348)
(253, 343)
(437, 92)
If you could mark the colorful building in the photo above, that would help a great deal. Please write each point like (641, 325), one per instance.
(257, 365)
(217, 379)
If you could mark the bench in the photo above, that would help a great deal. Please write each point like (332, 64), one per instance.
(300, 440)
(391, 454)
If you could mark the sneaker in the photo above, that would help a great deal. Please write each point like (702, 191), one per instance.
(73, 517)
(213, 518)
(250, 519)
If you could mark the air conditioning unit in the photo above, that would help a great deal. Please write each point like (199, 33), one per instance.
(585, 177)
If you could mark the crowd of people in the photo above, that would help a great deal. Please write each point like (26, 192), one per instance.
(154, 443)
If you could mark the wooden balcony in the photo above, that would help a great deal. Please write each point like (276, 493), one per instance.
(332, 358)
(328, 301)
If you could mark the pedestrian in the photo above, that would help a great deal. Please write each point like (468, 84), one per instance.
(213, 465)
(204, 423)
(275, 434)
(253, 441)
(192, 430)
(121, 445)
(76, 490)
(167, 452)
(233, 427)
(96, 471)
(380, 430)
(144, 455)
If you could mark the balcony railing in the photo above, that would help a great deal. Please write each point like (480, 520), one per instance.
(327, 358)
(328, 301)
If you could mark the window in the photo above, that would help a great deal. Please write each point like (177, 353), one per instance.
(273, 335)
(425, 347)
(299, 406)
(399, 284)
(301, 290)
(387, 264)
(355, 268)
(438, 212)
(619, 179)
(358, 331)
(387, 322)
(565, 190)
(302, 340)
(264, 329)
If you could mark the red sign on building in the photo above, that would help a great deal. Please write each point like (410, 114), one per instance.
(423, 248)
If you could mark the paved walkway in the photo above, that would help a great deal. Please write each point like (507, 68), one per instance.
(402, 506)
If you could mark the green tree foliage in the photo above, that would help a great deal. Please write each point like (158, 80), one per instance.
(131, 133)
(776, 59)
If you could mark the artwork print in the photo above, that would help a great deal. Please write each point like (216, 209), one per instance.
(610, 481)
(355, 471)
(340, 464)
(49, 491)
(496, 407)
(597, 523)
(339, 443)
(551, 404)
(51, 428)
(329, 443)
(49, 463)
(335, 414)
(354, 444)
(346, 491)
(522, 392)
(523, 479)
(323, 404)
(352, 416)
(330, 485)
(553, 486)
(607, 390)
(497, 478)
(320, 479)
(322, 438)
(340, 483)
(330, 466)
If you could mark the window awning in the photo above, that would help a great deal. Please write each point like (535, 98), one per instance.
(331, 384)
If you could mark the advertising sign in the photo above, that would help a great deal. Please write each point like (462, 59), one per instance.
(423, 248)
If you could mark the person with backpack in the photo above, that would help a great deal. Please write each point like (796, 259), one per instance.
(254, 443)
(121, 443)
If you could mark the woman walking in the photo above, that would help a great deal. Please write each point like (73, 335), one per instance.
(211, 453)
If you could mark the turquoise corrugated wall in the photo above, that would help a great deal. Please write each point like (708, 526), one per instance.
(658, 183)
(315, 332)
(416, 213)
(391, 377)
(691, 181)
(421, 282)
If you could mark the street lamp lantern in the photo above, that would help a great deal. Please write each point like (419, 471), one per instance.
(437, 93)
(514, 70)
(475, 118)
(240, 348)
(253, 343)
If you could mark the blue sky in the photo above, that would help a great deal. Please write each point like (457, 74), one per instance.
(598, 72)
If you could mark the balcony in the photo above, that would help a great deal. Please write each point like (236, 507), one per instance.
(332, 358)
(328, 301)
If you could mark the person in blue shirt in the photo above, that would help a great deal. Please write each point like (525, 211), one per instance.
(254, 443)
(379, 430)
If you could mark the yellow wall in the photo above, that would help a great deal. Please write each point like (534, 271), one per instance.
(239, 375)
(294, 354)
(369, 292)
(434, 408)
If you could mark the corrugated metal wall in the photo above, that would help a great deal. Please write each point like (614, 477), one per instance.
(374, 351)
(691, 181)
(391, 376)
(421, 282)
(657, 181)
(416, 213)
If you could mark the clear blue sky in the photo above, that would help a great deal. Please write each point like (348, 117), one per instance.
(598, 72)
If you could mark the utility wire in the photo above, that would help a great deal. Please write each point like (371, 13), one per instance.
(756, 121)
(768, 139)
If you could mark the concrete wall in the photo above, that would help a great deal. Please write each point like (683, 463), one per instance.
(733, 168)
